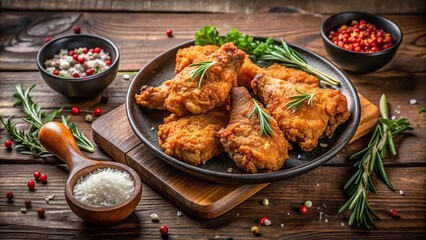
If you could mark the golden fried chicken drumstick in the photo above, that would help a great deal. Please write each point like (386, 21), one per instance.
(192, 54)
(308, 124)
(193, 139)
(250, 151)
(185, 97)
(153, 97)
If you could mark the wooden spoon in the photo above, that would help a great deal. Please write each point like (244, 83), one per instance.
(58, 140)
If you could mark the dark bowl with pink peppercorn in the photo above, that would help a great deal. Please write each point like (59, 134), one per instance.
(360, 62)
(82, 87)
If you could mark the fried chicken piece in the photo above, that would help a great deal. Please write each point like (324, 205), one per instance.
(153, 97)
(291, 75)
(186, 97)
(193, 139)
(249, 150)
(192, 54)
(247, 72)
(308, 124)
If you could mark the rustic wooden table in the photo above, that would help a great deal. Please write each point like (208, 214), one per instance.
(140, 37)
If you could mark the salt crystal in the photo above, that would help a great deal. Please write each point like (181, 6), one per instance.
(152, 129)
(318, 185)
(323, 145)
(238, 214)
(299, 156)
(393, 117)
(282, 224)
(343, 224)
(154, 217)
(413, 101)
(326, 220)
(268, 222)
(179, 214)
(104, 187)
(288, 214)
(230, 170)
(401, 192)
(126, 76)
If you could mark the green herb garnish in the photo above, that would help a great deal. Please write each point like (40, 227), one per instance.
(265, 128)
(421, 109)
(27, 142)
(266, 51)
(97, 71)
(201, 70)
(298, 100)
(369, 159)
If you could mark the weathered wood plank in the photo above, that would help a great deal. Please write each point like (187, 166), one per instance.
(228, 6)
(323, 187)
(141, 36)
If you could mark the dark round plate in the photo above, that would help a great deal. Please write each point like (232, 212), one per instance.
(162, 68)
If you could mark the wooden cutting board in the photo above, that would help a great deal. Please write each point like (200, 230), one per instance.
(199, 198)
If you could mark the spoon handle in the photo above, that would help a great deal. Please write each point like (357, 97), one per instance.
(58, 140)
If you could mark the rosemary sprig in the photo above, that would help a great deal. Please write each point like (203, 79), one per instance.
(28, 142)
(81, 140)
(265, 128)
(97, 71)
(369, 159)
(201, 70)
(298, 100)
(261, 51)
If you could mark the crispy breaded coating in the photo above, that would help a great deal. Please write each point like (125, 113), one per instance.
(153, 97)
(249, 150)
(185, 97)
(291, 75)
(307, 124)
(247, 72)
(192, 54)
(193, 139)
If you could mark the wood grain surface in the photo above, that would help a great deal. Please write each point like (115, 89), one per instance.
(140, 37)
(235, 6)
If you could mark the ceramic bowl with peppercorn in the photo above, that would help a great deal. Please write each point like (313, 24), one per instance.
(78, 65)
(360, 42)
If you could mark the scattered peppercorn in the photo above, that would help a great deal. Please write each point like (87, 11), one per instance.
(71, 52)
(77, 30)
(97, 50)
(97, 112)
(76, 75)
(393, 213)
(81, 60)
(56, 72)
(308, 204)
(9, 195)
(8, 144)
(169, 32)
(31, 184)
(89, 118)
(262, 221)
(265, 202)
(104, 99)
(303, 210)
(89, 71)
(43, 178)
(255, 230)
(37, 175)
(40, 212)
(23, 210)
(230, 170)
(75, 110)
(164, 229)
(108, 63)
(28, 203)
(48, 39)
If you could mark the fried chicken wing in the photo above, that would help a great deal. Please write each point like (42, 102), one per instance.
(193, 139)
(186, 97)
(291, 75)
(308, 124)
(247, 72)
(249, 150)
(153, 97)
(192, 54)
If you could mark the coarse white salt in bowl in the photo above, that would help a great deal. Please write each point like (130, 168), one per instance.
(105, 187)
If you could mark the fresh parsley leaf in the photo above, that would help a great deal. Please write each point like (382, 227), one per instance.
(208, 35)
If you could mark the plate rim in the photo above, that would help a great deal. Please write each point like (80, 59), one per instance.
(225, 177)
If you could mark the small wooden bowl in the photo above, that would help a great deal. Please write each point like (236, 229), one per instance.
(58, 140)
